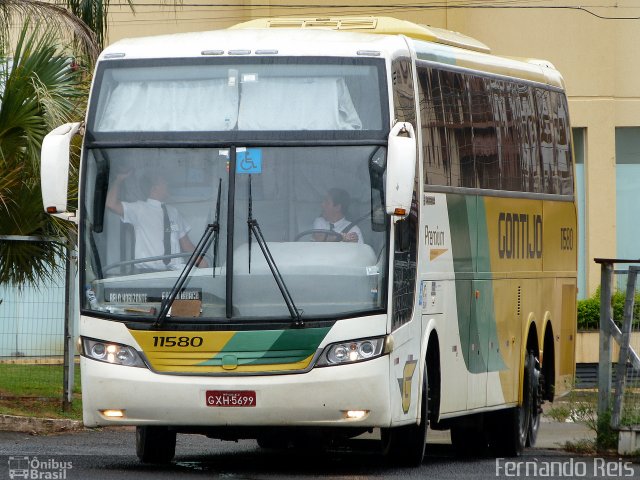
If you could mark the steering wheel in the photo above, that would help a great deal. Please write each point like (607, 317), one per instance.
(337, 236)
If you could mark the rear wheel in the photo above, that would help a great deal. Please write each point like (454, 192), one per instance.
(406, 445)
(536, 402)
(155, 444)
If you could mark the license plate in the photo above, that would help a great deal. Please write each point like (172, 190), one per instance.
(231, 398)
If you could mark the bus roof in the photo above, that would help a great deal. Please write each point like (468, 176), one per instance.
(337, 36)
(376, 25)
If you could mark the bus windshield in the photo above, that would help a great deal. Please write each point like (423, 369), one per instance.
(331, 266)
(292, 145)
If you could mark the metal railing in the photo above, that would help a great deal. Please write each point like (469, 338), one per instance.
(37, 341)
(626, 332)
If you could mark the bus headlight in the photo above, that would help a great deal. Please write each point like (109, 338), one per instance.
(114, 353)
(352, 351)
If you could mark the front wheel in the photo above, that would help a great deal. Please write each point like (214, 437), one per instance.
(155, 444)
(511, 430)
(405, 445)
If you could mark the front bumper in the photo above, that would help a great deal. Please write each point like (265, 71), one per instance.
(318, 398)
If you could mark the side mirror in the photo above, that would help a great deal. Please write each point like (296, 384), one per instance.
(54, 170)
(401, 169)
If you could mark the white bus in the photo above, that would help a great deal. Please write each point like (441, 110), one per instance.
(446, 298)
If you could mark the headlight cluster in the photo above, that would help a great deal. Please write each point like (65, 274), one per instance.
(114, 353)
(352, 351)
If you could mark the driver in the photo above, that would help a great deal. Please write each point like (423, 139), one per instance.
(159, 228)
(335, 207)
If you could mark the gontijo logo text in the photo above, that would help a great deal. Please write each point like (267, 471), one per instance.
(519, 236)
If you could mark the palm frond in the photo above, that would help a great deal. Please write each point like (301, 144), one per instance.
(14, 12)
(10, 181)
(39, 92)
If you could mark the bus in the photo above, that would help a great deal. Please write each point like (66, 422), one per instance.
(453, 305)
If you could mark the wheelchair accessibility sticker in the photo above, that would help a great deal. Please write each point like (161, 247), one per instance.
(248, 160)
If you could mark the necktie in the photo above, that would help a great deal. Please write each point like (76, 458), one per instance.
(167, 234)
(331, 226)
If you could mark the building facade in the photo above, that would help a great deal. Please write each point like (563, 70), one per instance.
(593, 43)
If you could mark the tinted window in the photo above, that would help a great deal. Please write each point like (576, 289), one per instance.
(484, 132)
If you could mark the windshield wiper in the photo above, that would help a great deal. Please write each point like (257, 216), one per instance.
(254, 229)
(209, 235)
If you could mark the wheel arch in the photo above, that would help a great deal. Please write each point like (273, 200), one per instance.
(432, 364)
(531, 344)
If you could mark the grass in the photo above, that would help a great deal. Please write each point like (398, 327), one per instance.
(581, 407)
(36, 391)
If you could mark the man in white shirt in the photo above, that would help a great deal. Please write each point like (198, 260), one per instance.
(159, 228)
(335, 207)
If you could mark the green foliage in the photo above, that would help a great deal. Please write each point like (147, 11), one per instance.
(40, 91)
(94, 14)
(589, 310)
(589, 313)
(583, 446)
(581, 407)
(36, 391)
(59, 19)
(607, 437)
(40, 380)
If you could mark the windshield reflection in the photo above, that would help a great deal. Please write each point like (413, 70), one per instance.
(146, 208)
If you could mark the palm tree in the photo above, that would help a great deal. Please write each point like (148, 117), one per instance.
(94, 14)
(40, 89)
(65, 21)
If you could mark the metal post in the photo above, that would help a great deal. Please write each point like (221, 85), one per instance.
(69, 347)
(606, 314)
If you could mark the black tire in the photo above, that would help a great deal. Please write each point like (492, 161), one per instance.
(405, 446)
(155, 444)
(536, 402)
(509, 429)
(504, 435)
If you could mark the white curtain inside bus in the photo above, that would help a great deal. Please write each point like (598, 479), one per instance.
(220, 105)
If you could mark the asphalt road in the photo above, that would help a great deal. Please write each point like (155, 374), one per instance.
(110, 454)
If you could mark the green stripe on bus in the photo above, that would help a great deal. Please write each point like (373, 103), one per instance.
(265, 347)
(488, 336)
(474, 298)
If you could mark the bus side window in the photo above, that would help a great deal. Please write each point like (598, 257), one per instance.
(546, 141)
(437, 170)
(560, 114)
(514, 176)
(485, 134)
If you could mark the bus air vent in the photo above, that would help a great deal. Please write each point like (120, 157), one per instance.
(342, 23)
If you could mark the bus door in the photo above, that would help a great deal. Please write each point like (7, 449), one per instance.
(406, 365)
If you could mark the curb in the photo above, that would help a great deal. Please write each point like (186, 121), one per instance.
(37, 426)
